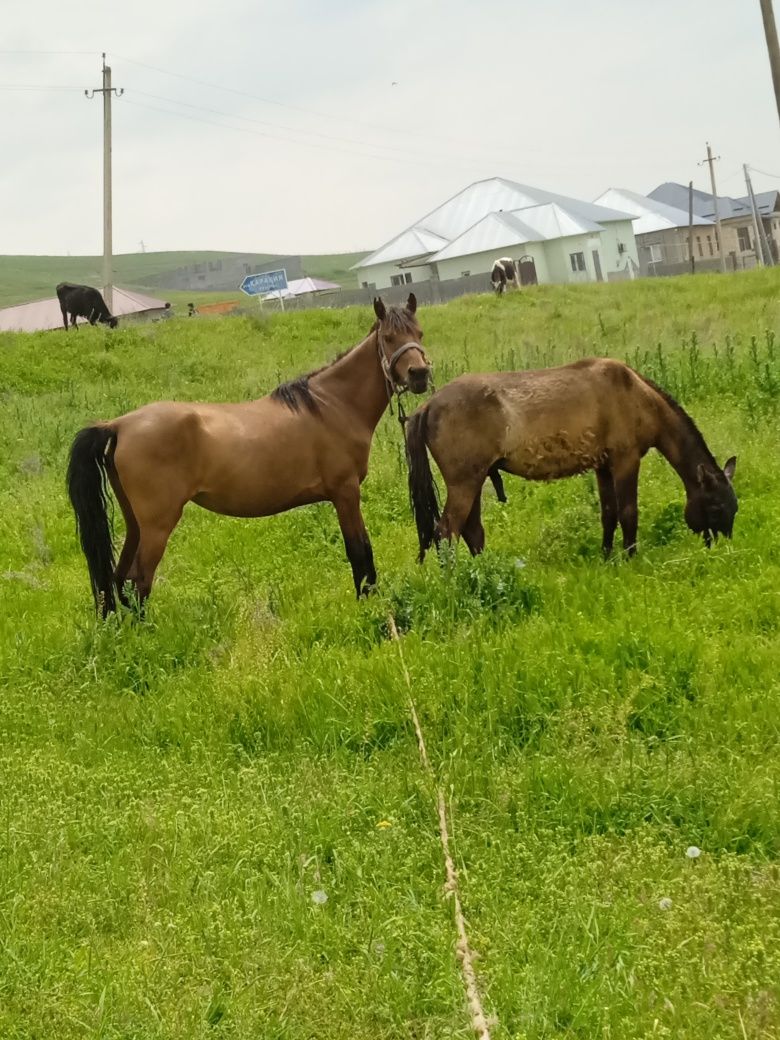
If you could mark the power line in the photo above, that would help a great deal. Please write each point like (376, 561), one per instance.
(299, 130)
(288, 140)
(773, 176)
(37, 86)
(294, 108)
(90, 54)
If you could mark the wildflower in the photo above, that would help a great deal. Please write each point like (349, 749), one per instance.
(319, 898)
(665, 903)
(693, 852)
(383, 825)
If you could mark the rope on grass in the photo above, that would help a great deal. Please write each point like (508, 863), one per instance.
(463, 949)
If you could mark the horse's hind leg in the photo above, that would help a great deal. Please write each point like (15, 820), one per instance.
(626, 483)
(473, 532)
(457, 509)
(152, 542)
(609, 508)
(132, 536)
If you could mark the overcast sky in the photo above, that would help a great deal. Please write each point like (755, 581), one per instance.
(331, 126)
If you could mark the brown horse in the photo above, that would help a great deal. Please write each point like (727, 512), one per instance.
(596, 414)
(308, 441)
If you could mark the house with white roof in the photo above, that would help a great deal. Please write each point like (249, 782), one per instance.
(557, 239)
(661, 230)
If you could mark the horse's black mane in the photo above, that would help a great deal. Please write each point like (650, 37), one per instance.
(691, 427)
(296, 393)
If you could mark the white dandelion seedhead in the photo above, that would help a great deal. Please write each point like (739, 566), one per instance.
(319, 898)
(665, 903)
(693, 852)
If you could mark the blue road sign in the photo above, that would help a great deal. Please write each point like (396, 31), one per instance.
(264, 282)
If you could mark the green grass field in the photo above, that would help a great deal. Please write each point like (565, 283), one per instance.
(25, 278)
(175, 792)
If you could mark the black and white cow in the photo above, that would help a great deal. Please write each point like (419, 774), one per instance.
(82, 301)
(504, 270)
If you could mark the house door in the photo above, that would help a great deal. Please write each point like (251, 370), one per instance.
(527, 270)
(597, 265)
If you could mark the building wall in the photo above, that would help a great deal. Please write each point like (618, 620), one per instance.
(618, 233)
(663, 249)
(224, 272)
(482, 263)
(380, 275)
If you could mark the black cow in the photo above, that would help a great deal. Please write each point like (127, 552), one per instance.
(82, 301)
(504, 270)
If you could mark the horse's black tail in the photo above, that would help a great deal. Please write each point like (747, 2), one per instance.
(88, 492)
(422, 489)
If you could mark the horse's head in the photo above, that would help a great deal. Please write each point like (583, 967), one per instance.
(712, 504)
(112, 322)
(399, 341)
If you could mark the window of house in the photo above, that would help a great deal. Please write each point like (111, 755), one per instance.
(577, 261)
(364, 285)
(465, 274)
(709, 245)
(743, 238)
(396, 279)
(698, 243)
(656, 252)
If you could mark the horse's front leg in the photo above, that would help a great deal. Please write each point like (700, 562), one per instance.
(356, 540)
(609, 508)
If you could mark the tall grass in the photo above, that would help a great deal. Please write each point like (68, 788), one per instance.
(176, 792)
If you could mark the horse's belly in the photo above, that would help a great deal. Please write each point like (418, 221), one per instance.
(554, 457)
(259, 490)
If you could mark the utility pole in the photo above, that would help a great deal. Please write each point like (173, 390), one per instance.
(770, 31)
(763, 252)
(106, 90)
(710, 160)
(690, 226)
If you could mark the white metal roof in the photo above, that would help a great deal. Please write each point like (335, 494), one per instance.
(42, 315)
(412, 242)
(470, 206)
(649, 214)
(495, 231)
(302, 286)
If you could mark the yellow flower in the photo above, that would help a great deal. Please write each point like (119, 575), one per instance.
(383, 825)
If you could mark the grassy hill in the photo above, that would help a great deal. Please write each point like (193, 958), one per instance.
(24, 278)
(215, 823)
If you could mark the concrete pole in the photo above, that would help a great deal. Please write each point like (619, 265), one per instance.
(762, 245)
(108, 248)
(107, 90)
(719, 231)
(770, 31)
(690, 226)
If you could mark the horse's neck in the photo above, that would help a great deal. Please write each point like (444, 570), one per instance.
(357, 380)
(679, 445)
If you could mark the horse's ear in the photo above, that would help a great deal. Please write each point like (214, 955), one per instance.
(728, 469)
(379, 308)
(411, 303)
(704, 476)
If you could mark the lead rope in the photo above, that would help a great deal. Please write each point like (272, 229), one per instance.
(463, 950)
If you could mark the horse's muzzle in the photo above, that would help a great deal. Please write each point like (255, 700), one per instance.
(417, 379)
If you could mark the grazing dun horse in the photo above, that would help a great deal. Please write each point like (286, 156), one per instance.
(504, 270)
(596, 414)
(308, 441)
